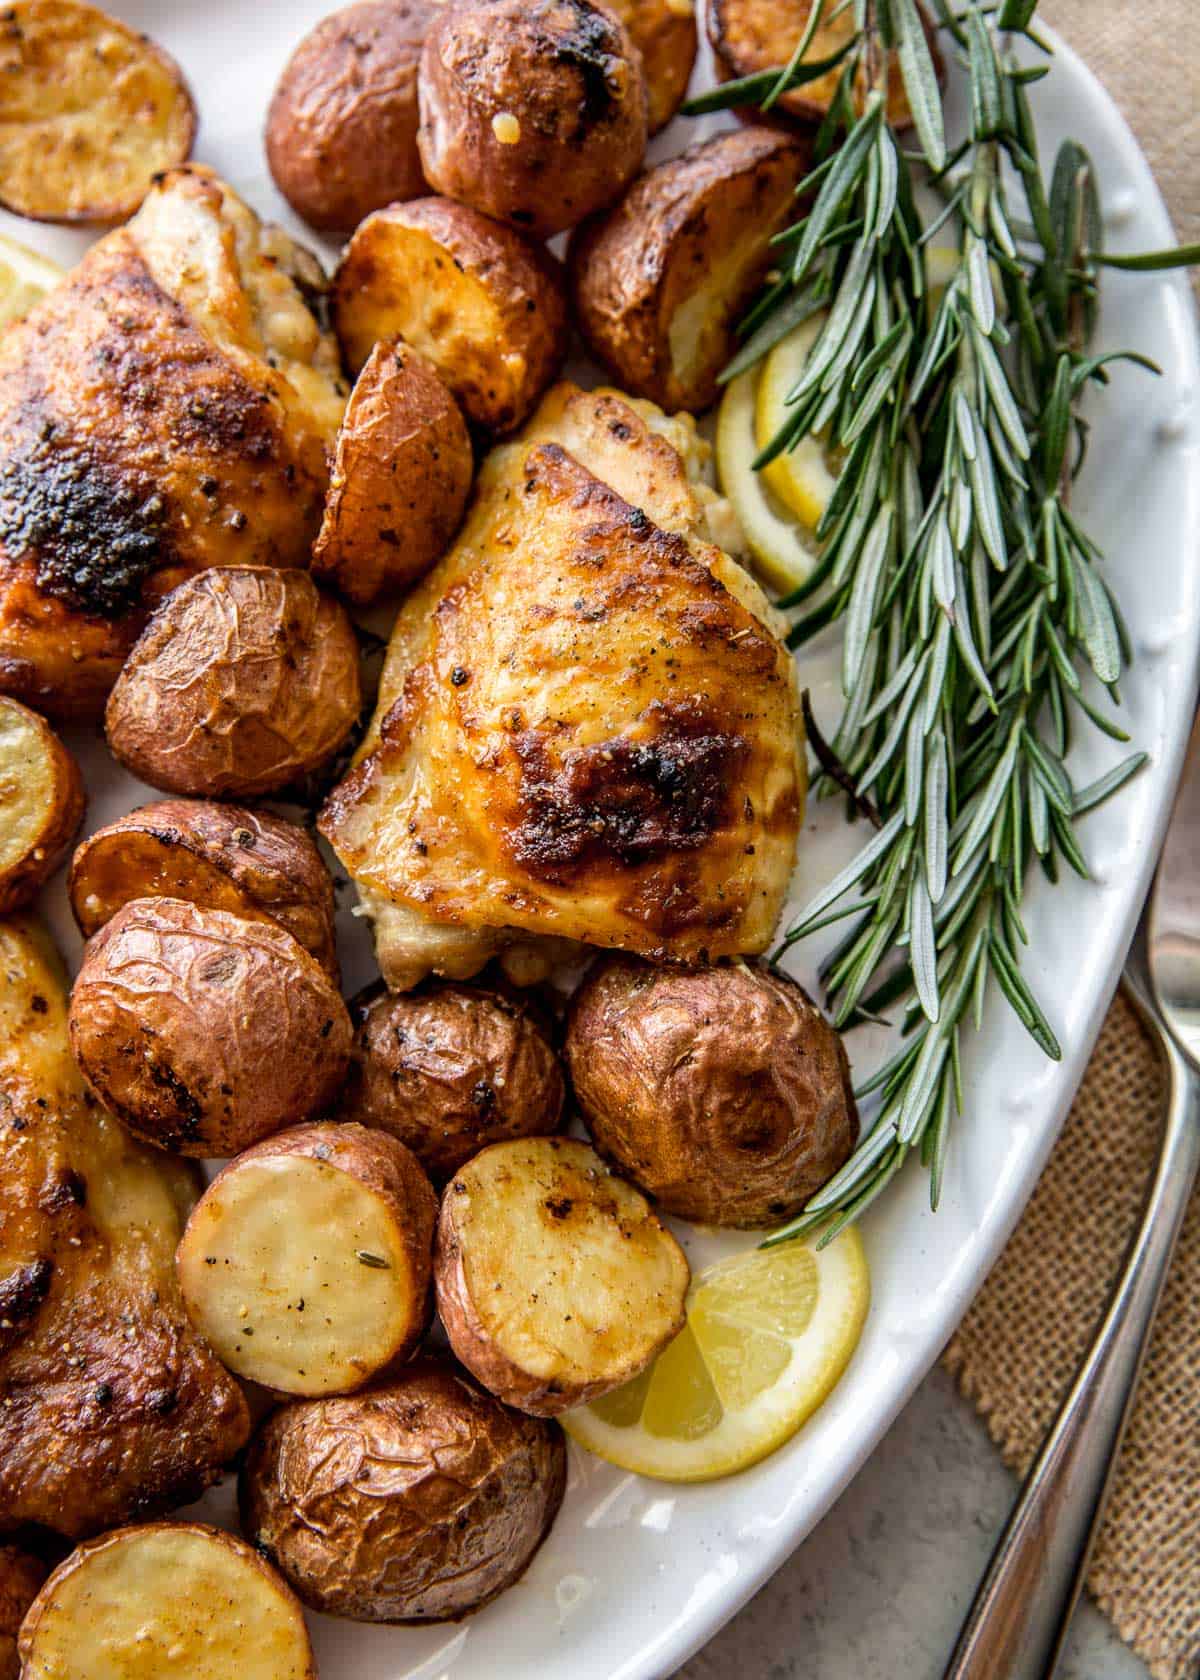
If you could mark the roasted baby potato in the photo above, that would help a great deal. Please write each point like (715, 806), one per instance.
(21, 1574)
(342, 124)
(400, 481)
(307, 1263)
(205, 1032)
(165, 1598)
(25, 278)
(244, 681)
(90, 112)
(487, 307)
(220, 857)
(722, 1092)
(533, 111)
(664, 32)
(555, 1280)
(417, 1500)
(41, 803)
(748, 36)
(449, 1069)
(660, 282)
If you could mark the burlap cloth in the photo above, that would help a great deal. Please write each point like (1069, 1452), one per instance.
(1020, 1345)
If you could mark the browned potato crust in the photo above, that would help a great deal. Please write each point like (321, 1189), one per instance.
(752, 35)
(417, 1500)
(307, 1264)
(400, 481)
(21, 1575)
(245, 680)
(660, 283)
(342, 125)
(41, 803)
(220, 857)
(556, 1282)
(449, 1069)
(166, 1599)
(723, 1092)
(533, 111)
(664, 32)
(487, 307)
(90, 112)
(205, 1032)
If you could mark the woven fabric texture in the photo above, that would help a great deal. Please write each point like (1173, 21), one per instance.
(1020, 1345)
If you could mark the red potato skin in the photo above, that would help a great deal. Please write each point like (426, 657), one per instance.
(568, 72)
(401, 477)
(204, 1032)
(254, 865)
(341, 132)
(21, 884)
(470, 1489)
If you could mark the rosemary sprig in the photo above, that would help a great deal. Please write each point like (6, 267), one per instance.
(976, 619)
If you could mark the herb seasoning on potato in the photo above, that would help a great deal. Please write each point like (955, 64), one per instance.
(416, 1500)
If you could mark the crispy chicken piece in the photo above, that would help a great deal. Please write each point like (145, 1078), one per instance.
(587, 728)
(110, 1404)
(172, 405)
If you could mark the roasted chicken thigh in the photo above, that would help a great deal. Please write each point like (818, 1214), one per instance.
(171, 405)
(587, 728)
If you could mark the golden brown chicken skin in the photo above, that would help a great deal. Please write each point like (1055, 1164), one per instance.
(110, 1404)
(171, 406)
(583, 731)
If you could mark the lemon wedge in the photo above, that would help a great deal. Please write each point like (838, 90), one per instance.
(782, 553)
(768, 1334)
(25, 277)
(800, 477)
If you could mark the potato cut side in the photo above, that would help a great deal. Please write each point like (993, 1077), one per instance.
(301, 1276)
(555, 1278)
(164, 1599)
(90, 112)
(41, 802)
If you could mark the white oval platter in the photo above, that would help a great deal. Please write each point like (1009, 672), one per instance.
(638, 1575)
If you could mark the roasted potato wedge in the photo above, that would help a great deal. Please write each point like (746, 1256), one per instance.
(400, 481)
(41, 803)
(90, 112)
(342, 125)
(555, 1280)
(724, 1093)
(21, 1575)
(752, 35)
(220, 857)
(417, 1500)
(487, 307)
(244, 681)
(533, 111)
(307, 1263)
(660, 282)
(205, 1032)
(449, 1069)
(165, 1598)
(664, 32)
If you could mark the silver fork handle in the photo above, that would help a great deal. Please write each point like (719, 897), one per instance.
(1019, 1619)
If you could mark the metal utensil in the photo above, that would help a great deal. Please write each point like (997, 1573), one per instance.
(1021, 1612)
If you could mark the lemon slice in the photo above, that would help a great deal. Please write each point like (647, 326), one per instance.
(800, 477)
(783, 555)
(768, 1334)
(25, 277)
